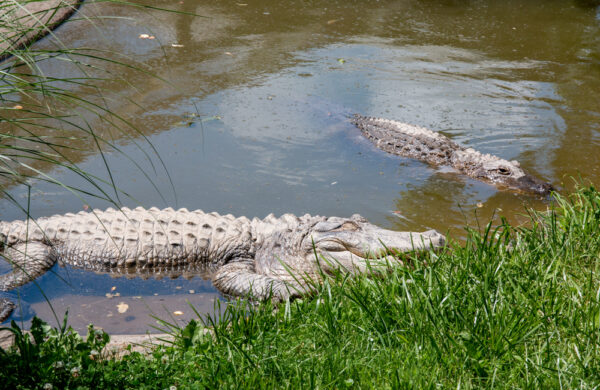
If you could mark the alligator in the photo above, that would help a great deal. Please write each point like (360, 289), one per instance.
(434, 148)
(277, 258)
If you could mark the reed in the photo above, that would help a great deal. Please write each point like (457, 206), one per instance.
(44, 118)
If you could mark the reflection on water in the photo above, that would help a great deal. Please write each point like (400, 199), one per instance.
(118, 305)
(519, 79)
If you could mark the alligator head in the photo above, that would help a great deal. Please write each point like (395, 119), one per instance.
(350, 244)
(499, 172)
(349, 239)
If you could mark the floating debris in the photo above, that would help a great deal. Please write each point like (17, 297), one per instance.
(122, 307)
(191, 118)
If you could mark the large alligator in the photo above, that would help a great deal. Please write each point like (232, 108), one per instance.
(270, 257)
(436, 149)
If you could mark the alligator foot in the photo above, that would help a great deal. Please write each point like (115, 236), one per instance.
(10, 310)
(6, 309)
(239, 278)
(29, 260)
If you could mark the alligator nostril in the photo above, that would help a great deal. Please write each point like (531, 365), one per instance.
(544, 188)
(547, 188)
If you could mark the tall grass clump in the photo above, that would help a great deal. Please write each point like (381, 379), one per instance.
(56, 108)
(514, 307)
(49, 121)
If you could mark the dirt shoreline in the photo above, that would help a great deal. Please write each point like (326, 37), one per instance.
(117, 346)
(21, 25)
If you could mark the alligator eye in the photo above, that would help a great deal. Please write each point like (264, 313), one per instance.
(503, 171)
(347, 226)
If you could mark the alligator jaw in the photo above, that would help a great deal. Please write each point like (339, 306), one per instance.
(530, 184)
(525, 184)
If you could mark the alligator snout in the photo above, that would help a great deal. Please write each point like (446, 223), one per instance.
(529, 183)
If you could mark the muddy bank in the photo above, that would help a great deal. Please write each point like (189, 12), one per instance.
(23, 23)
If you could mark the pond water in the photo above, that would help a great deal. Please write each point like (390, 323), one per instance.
(254, 118)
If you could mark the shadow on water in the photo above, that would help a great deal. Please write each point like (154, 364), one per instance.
(273, 82)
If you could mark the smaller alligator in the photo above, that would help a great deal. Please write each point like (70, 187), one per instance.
(436, 149)
(272, 257)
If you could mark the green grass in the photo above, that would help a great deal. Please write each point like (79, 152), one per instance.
(512, 308)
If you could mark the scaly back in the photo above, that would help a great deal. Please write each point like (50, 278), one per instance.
(407, 140)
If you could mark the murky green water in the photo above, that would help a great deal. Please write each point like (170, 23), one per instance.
(274, 82)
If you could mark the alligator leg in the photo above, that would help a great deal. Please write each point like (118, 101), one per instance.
(239, 278)
(6, 308)
(29, 260)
